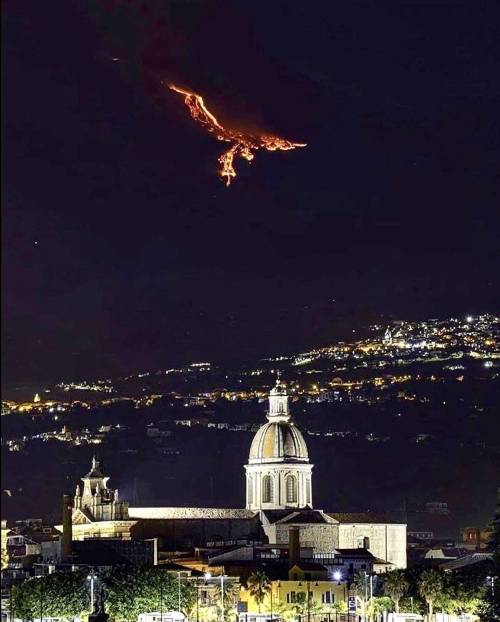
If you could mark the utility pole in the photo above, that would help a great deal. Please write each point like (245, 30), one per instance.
(197, 599)
(41, 599)
(366, 594)
(161, 598)
(371, 596)
(222, 595)
(178, 591)
(308, 601)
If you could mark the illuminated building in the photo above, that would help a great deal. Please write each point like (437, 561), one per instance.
(278, 500)
(97, 512)
(5, 558)
(278, 473)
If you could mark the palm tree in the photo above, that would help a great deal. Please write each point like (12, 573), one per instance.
(259, 586)
(359, 587)
(430, 586)
(395, 586)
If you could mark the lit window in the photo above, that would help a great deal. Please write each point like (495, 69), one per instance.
(291, 489)
(267, 489)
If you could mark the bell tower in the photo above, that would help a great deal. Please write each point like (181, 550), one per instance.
(96, 499)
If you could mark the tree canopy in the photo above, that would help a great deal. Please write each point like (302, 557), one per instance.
(132, 590)
(259, 586)
(58, 595)
(395, 586)
(129, 591)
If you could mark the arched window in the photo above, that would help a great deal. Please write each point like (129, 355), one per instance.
(250, 489)
(291, 489)
(267, 489)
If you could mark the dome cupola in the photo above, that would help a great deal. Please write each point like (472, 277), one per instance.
(278, 472)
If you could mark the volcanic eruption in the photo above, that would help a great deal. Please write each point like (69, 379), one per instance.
(243, 144)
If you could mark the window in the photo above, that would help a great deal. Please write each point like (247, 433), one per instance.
(250, 489)
(308, 491)
(267, 489)
(291, 597)
(326, 597)
(291, 489)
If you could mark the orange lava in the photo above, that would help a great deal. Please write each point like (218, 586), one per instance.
(243, 144)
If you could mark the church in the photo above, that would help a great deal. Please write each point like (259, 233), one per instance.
(279, 498)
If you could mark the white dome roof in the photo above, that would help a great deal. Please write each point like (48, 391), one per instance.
(278, 441)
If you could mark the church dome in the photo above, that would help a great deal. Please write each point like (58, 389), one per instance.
(278, 441)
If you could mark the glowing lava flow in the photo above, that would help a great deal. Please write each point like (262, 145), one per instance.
(243, 144)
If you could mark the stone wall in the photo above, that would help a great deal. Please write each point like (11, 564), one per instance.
(323, 538)
(386, 541)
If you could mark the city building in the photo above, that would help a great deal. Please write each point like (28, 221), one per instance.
(4, 532)
(475, 538)
(278, 499)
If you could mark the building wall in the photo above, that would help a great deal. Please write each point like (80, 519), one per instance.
(5, 558)
(279, 472)
(102, 529)
(187, 533)
(282, 590)
(386, 541)
(475, 537)
(323, 538)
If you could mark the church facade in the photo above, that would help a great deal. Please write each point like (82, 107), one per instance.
(278, 498)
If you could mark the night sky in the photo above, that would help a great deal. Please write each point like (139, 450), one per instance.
(122, 248)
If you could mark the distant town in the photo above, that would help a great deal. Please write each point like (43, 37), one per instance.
(410, 403)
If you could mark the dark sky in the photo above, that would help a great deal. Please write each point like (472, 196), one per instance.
(122, 249)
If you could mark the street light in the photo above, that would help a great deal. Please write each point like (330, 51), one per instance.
(209, 576)
(91, 577)
(337, 575)
(492, 581)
